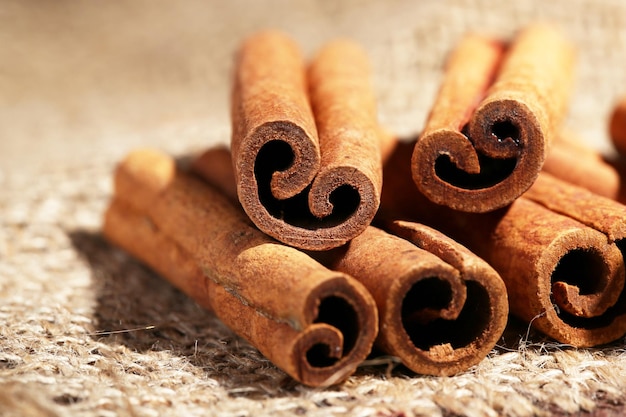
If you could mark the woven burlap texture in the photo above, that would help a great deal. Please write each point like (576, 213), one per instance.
(86, 330)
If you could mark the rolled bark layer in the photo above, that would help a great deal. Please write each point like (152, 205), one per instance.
(315, 324)
(598, 212)
(441, 308)
(490, 128)
(305, 145)
(572, 161)
(564, 277)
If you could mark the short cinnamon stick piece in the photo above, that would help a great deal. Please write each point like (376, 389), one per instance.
(574, 162)
(490, 128)
(441, 308)
(617, 127)
(315, 324)
(305, 144)
(600, 213)
(564, 277)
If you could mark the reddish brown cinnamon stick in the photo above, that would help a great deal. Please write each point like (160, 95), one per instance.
(489, 130)
(617, 127)
(584, 168)
(574, 162)
(564, 277)
(308, 175)
(315, 324)
(441, 308)
(603, 214)
(137, 235)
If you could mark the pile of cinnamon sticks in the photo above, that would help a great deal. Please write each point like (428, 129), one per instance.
(318, 234)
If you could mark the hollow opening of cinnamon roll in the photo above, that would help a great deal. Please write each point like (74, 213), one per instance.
(277, 155)
(339, 313)
(584, 269)
(426, 329)
(504, 130)
(492, 172)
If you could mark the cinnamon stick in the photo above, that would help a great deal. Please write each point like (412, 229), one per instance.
(315, 324)
(617, 127)
(574, 162)
(563, 277)
(490, 128)
(441, 308)
(305, 143)
(600, 213)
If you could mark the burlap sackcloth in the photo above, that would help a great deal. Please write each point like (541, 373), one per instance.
(86, 330)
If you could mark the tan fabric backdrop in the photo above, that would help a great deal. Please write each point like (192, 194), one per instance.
(86, 330)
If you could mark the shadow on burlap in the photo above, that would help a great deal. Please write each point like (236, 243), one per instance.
(87, 330)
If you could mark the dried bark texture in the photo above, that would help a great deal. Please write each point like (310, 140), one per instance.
(305, 144)
(490, 128)
(441, 308)
(574, 162)
(214, 166)
(617, 127)
(315, 324)
(562, 276)
(601, 213)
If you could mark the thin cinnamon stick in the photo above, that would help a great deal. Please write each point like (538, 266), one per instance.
(441, 308)
(490, 128)
(574, 162)
(617, 126)
(603, 214)
(315, 324)
(562, 276)
(307, 164)
(136, 234)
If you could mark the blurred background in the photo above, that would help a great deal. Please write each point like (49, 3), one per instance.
(89, 79)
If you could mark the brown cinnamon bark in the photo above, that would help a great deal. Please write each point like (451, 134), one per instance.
(617, 127)
(562, 276)
(307, 174)
(441, 308)
(603, 214)
(574, 162)
(490, 128)
(315, 324)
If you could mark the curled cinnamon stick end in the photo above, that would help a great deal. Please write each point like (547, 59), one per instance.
(490, 128)
(441, 309)
(315, 324)
(602, 214)
(568, 279)
(617, 127)
(481, 322)
(562, 276)
(305, 145)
